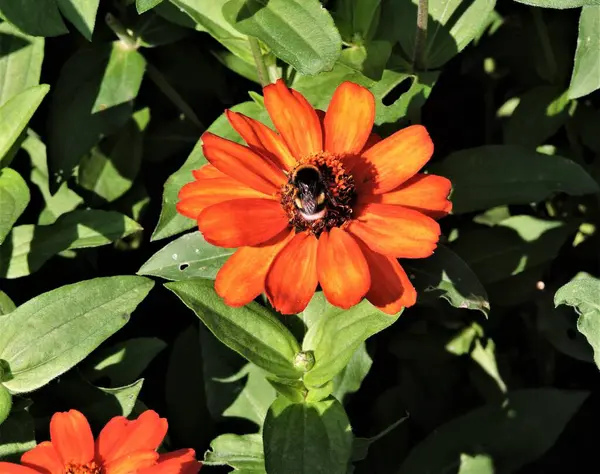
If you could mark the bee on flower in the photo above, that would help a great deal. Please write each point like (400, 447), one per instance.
(324, 201)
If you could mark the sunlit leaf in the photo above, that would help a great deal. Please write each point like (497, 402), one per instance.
(586, 72)
(14, 197)
(243, 453)
(82, 13)
(34, 17)
(145, 5)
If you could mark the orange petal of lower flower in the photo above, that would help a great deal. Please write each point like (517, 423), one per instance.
(208, 172)
(72, 437)
(132, 462)
(395, 230)
(342, 268)
(426, 193)
(121, 437)
(182, 461)
(349, 119)
(391, 289)
(242, 278)
(393, 160)
(242, 164)
(194, 197)
(43, 458)
(262, 139)
(292, 278)
(242, 222)
(295, 119)
(10, 468)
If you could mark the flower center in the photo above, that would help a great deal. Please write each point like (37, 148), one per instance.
(318, 194)
(89, 468)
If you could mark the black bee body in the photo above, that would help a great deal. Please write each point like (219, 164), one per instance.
(310, 192)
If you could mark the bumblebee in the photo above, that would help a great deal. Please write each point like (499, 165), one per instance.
(310, 192)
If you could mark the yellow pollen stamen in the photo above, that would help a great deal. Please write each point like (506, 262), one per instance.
(89, 468)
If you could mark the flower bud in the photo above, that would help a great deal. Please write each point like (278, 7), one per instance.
(304, 360)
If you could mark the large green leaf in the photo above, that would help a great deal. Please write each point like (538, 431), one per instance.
(82, 13)
(14, 197)
(145, 5)
(586, 72)
(301, 32)
(493, 175)
(337, 335)
(252, 330)
(560, 4)
(506, 434)
(15, 115)
(584, 295)
(16, 436)
(52, 332)
(170, 222)
(71, 109)
(243, 453)
(30, 246)
(5, 403)
(190, 256)
(21, 59)
(34, 17)
(6, 304)
(446, 275)
(307, 438)
(350, 378)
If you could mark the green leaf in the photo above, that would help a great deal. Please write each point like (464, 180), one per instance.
(15, 115)
(446, 275)
(125, 361)
(152, 30)
(586, 71)
(190, 256)
(560, 4)
(243, 452)
(360, 447)
(16, 436)
(143, 6)
(170, 222)
(513, 246)
(5, 403)
(300, 32)
(350, 378)
(122, 77)
(6, 304)
(14, 197)
(337, 335)
(252, 330)
(30, 246)
(49, 334)
(313, 438)
(450, 28)
(493, 175)
(34, 17)
(357, 20)
(583, 294)
(540, 113)
(370, 58)
(82, 13)
(111, 168)
(71, 106)
(21, 59)
(503, 433)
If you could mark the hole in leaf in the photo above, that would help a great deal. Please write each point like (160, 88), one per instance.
(183, 266)
(396, 92)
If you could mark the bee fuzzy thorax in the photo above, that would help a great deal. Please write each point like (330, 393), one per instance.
(318, 194)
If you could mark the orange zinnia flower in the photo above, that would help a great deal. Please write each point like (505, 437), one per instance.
(324, 201)
(123, 447)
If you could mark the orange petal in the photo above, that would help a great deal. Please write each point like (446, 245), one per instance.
(349, 119)
(426, 193)
(262, 139)
(207, 172)
(182, 461)
(10, 468)
(194, 197)
(295, 119)
(242, 278)
(72, 437)
(121, 437)
(373, 139)
(242, 222)
(292, 278)
(342, 268)
(391, 289)
(242, 164)
(394, 160)
(132, 462)
(43, 458)
(395, 230)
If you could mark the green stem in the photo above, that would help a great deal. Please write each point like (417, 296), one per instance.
(261, 68)
(421, 35)
(124, 35)
(542, 31)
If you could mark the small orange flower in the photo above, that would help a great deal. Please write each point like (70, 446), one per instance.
(123, 447)
(324, 201)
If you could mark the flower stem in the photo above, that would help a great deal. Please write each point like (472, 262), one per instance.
(261, 68)
(124, 35)
(421, 35)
